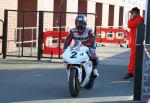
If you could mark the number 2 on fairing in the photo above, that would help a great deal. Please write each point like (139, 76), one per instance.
(74, 54)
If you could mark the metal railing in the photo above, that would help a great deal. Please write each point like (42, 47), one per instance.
(18, 38)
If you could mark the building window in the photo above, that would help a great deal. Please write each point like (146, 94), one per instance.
(99, 9)
(111, 15)
(59, 6)
(121, 10)
(82, 6)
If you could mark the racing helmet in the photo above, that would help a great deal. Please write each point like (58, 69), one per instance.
(80, 22)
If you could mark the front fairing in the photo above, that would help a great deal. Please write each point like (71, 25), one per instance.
(75, 55)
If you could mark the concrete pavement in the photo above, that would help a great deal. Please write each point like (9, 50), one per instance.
(23, 80)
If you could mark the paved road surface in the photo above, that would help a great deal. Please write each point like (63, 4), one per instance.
(30, 81)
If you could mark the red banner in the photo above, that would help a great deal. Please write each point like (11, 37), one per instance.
(111, 35)
(51, 42)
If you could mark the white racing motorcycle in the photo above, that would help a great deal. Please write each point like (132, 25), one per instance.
(79, 68)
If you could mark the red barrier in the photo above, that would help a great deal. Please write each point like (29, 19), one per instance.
(51, 42)
(110, 35)
(52, 39)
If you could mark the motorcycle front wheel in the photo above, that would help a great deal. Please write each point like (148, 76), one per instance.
(74, 84)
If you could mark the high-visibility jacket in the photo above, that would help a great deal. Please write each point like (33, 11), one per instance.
(132, 25)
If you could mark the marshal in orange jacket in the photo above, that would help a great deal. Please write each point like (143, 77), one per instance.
(132, 25)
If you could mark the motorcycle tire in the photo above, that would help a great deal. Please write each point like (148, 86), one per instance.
(74, 84)
(90, 84)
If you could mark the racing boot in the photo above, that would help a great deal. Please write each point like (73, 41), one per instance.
(95, 72)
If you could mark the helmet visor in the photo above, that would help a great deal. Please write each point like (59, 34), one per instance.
(79, 23)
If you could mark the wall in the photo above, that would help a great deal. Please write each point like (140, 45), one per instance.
(46, 5)
(91, 8)
(71, 17)
(9, 4)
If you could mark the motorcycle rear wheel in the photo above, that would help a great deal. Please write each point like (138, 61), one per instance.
(74, 85)
(90, 84)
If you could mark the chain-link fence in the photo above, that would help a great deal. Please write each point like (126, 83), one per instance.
(21, 33)
(25, 30)
(62, 21)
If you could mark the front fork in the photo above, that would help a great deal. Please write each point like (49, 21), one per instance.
(79, 72)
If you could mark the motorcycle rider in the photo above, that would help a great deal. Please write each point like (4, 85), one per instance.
(86, 36)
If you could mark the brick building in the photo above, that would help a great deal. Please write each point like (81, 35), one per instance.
(110, 13)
